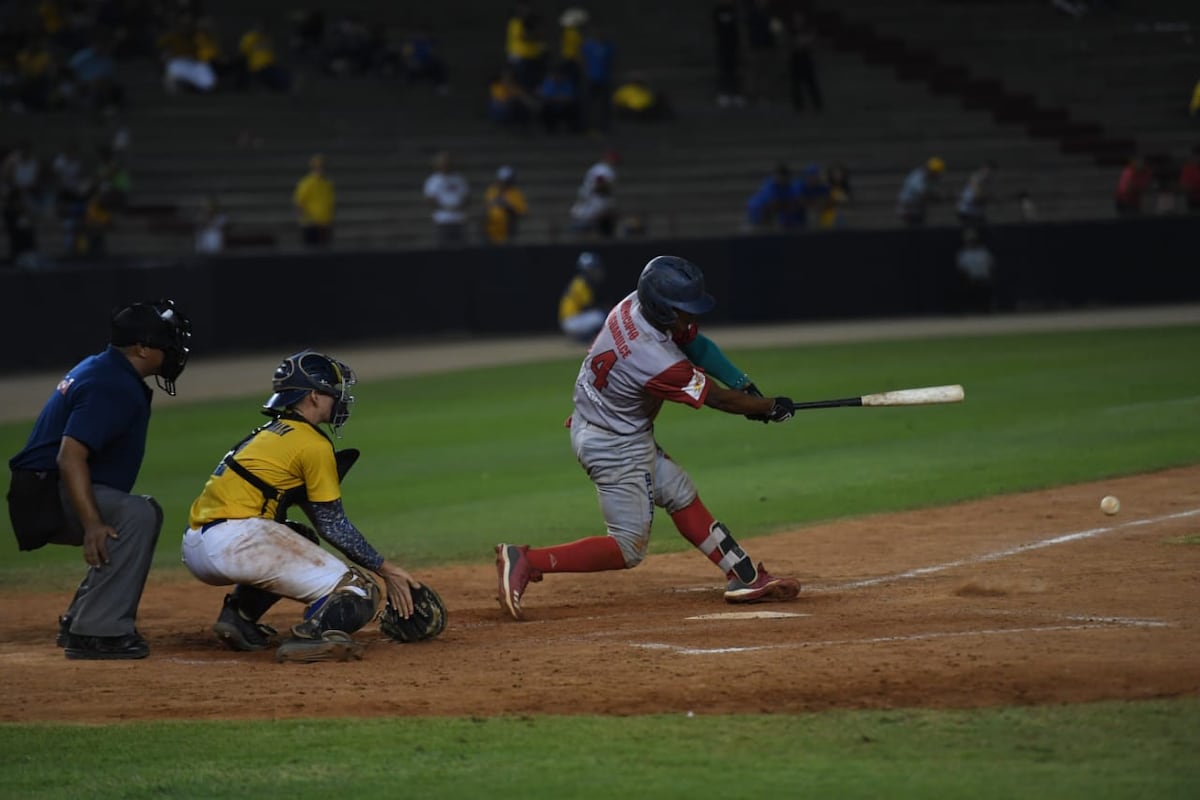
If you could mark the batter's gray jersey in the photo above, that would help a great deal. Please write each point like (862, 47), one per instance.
(631, 368)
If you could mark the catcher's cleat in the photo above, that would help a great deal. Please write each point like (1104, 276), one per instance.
(332, 646)
(514, 573)
(239, 633)
(764, 589)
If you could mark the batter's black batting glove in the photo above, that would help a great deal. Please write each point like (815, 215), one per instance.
(753, 391)
(782, 409)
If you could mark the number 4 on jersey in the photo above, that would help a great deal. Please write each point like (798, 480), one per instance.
(601, 364)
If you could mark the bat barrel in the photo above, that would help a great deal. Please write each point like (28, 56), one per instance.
(927, 395)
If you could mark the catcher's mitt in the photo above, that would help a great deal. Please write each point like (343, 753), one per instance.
(427, 620)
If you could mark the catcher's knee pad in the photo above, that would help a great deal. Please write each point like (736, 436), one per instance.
(351, 605)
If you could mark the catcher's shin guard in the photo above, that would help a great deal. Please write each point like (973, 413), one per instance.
(351, 605)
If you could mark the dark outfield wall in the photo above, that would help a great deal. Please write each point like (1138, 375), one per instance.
(50, 318)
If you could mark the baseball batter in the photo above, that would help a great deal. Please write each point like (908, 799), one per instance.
(648, 352)
(238, 534)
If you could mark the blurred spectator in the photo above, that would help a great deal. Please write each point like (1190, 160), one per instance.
(112, 178)
(1132, 184)
(1194, 106)
(448, 192)
(1189, 180)
(96, 74)
(920, 189)
(22, 171)
(525, 47)
(508, 102)
(559, 101)
(421, 60)
(211, 223)
(1026, 206)
(595, 208)
(183, 66)
(975, 268)
(1166, 187)
(570, 51)
(504, 206)
(599, 56)
(353, 46)
(316, 203)
(839, 196)
(763, 65)
(773, 205)
(99, 216)
(579, 314)
(10, 83)
(308, 33)
(72, 188)
(130, 26)
(802, 72)
(20, 226)
(37, 86)
(259, 61)
(727, 34)
(810, 193)
(635, 100)
(976, 196)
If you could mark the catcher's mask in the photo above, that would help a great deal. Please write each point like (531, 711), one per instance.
(309, 371)
(668, 283)
(158, 324)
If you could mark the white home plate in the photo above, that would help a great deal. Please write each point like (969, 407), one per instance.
(750, 615)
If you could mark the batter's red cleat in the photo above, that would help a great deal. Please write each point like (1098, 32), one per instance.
(514, 573)
(766, 588)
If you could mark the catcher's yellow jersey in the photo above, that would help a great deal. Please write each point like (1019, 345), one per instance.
(576, 298)
(284, 454)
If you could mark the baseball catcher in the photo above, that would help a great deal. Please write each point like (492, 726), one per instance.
(238, 532)
(648, 352)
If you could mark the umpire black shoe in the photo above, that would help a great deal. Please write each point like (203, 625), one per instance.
(105, 648)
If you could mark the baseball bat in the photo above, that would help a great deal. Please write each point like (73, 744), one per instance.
(923, 396)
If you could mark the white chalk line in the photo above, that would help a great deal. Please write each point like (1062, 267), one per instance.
(912, 637)
(919, 572)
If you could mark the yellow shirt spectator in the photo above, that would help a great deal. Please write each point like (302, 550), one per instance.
(519, 44)
(578, 297)
(504, 205)
(1194, 108)
(572, 44)
(633, 96)
(258, 50)
(315, 199)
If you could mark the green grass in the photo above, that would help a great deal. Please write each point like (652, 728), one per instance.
(1106, 750)
(453, 463)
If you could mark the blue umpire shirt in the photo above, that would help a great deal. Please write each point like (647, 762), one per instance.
(103, 403)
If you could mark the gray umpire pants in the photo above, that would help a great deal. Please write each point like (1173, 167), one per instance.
(106, 603)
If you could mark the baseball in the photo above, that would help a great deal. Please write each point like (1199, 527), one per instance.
(1110, 505)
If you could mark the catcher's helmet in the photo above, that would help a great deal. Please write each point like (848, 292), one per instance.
(158, 324)
(308, 371)
(669, 283)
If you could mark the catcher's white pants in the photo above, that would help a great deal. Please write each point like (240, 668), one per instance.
(263, 553)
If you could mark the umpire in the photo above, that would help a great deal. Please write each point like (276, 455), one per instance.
(71, 483)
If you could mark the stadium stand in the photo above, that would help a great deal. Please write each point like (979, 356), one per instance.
(1056, 102)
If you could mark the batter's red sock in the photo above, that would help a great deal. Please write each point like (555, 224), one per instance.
(593, 554)
(714, 540)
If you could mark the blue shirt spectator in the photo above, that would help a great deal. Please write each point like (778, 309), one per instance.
(91, 64)
(598, 58)
(557, 88)
(775, 202)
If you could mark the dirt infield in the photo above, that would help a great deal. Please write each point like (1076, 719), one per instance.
(1036, 598)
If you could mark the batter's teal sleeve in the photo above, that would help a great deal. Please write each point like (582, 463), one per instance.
(704, 353)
